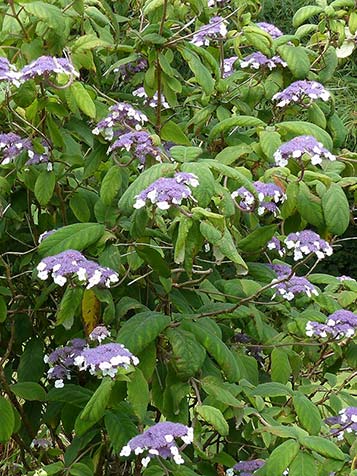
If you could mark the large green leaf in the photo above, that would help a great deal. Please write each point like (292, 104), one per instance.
(68, 306)
(138, 394)
(201, 73)
(214, 417)
(281, 457)
(297, 128)
(44, 187)
(303, 465)
(229, 249)
(257, 239)
(141, 329)
(70, 393)
(31, 366)
(7, 420)
(173, 133)
(296, 59)
(110, 185)
(83, 99)
(216, 390)
(119, 426)
(304, 13)
(308, 414)
(323, 446)
(309, 206)
(272, 389)
(235, 121)
(336, 210)
(49, 14)
(29, 391)
(76, 237)
(188, 354)
(216, 347)
(280, 366)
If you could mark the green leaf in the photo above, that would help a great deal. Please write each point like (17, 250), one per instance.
(272, 389)
(44, 187)
(216, 390)
(173, 133)
(7, 420)
(31, 366)
(119, 426)
(296, 59)
(80, 469)
(29, 391)
(269, 142)
(145, 179)
(303, 465)
(229, 249)
(70, 393)
(336, 210)
(188, 355)
(216, 347)
(95, 408)
(304, 13)
(213, 417)
(235, 121)
(141, 329)
(330, 63)
(201, 73)
(280, 366)
(297, 128)
(79, 207)
(49, 14)
(185, 154)
(88, 42)
(68, 306)
(138, 394)
(3, 309)
(308, 414)
(53, 468)
(155, 260)
(309, 206)
(71, 237)
(230, 154)
(204, 192)
(281, 457)
(180, 244)
(323, 446)
(258, 38)
(256, 240)
(110, 185)
(83, 99)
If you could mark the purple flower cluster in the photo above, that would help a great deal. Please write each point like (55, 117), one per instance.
(259, 60)
(73, 264)
(273, 31)
(159, 440)
(45, 65)
(269, 195)
(340, 324)
(167, 191)
(12, 145)
(40, 443)
(139, 143)
(62, 359)
(128, 70)
(215, 30)
(228, 66)
(122, 116)
(105, 359)
(297, 147)
(8, 72)
(306, 242)
(99, 334)
(293, 286)
(346, 421)
(298, 91)
(42, 66)
(151, 101)
(246, 468)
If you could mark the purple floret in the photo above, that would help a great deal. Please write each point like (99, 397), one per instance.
(269, 195)
(159, 440)
(228, 66)
(293, 286)
(128, 70)
(8, 72)
(346, 421)
(340, 324)
(301, 90)
(297, 147)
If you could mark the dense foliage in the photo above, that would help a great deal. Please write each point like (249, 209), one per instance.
(173, 182)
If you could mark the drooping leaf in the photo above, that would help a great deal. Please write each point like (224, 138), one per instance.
(304, 13)
(281, 457)
(29, 391)
(280, 366)
(308, 414)
(90, 310)
(44, 187)
(323, 446)
(303, 465)
(235, 121)
(336, 209)
(138, 394)
(188, 354)
(119, 426)
(83, 99)
(110, 185)
(7, 420)
(296, 59)
(214, 417)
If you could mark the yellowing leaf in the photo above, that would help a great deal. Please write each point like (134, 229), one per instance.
(90, 311)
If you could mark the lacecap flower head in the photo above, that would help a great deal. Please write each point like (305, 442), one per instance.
(12, 145)
(215, 30)
(269, 194)
(105, 359)
(273, 31)
(165, 192)
(340, 324)
(139, 143)
(159, 440)
(293, 286)
(301, 90)
(72, 264)
(128, 70)
(346, 421)
(8, 72)
(121, 116)
(259, 61)
(99, 334)
(228, 66)
(306, 242)
(246, 468)
(45, 65)
(153, 100)
(297, 147)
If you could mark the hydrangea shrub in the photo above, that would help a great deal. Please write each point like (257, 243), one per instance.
(173, 179)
